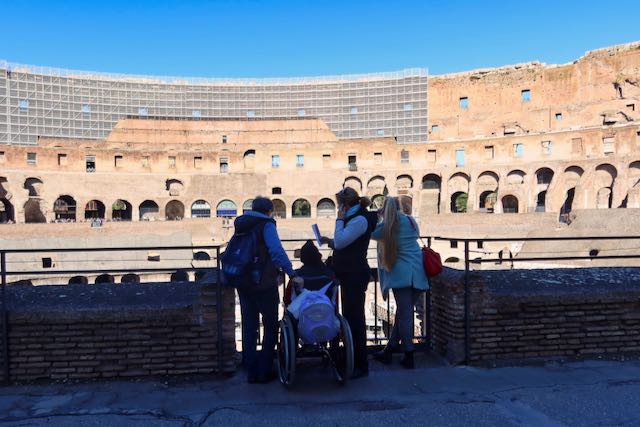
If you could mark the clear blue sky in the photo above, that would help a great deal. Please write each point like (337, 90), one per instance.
(303, 38)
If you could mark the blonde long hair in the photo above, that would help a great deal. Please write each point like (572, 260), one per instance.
(389, 241)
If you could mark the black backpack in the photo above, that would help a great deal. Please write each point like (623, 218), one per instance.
(242, 265)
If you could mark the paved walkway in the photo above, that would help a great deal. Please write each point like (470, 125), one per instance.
(585, 393)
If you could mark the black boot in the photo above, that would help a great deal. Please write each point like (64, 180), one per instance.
(385, 355)
(407, 360)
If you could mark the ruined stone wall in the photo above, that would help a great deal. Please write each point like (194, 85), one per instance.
(107, 331)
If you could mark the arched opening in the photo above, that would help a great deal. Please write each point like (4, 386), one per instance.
(174, 211)
(121, 210)
(515, 177)
(326, 208)
(149, 210)
(200, 209)
(226, 209)
(33, 186)
(604, 199)
(459, 202)
(78, 280)
(431, 182)
(488, 201)
(353, 182)
(174, 187)
(544, 176)
(541, 201)
(65, 208)
(104, 279)
(376, 185)
(33, 213)
(249, 158)
(377, 202)
(452, 259)
(565, 210)
(301, 208)
(130, 279)
(404, 182)
(180, 276)
(94, 210)
(279, 209)
(6, 212)
(509, 204)
(246, 206)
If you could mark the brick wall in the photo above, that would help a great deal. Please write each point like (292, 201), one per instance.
(116, 331)
(538, 314)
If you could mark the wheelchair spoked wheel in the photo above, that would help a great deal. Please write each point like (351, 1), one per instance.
(341, 350)
(287, 352)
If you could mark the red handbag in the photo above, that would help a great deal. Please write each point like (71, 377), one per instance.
(431, 260)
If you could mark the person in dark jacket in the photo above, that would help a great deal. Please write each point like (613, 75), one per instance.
(350, 244)
(262, 299)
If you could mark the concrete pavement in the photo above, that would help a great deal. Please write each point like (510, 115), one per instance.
(581, 393)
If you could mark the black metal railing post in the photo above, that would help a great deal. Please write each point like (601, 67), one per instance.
(467, 306)
(219, 317)
(5, 317)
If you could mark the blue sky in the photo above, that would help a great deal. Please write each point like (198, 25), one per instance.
(297, 38)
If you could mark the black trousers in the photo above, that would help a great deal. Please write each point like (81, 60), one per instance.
(353, 289)
(254, 303)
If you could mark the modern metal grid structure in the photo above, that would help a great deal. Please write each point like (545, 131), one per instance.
(39, 101)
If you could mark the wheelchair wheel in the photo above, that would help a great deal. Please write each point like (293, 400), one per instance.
(287, 351)
(342, 352)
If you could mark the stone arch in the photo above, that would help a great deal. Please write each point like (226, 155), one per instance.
(509, 204)
(488, 201)
(489, 179)
(353, 182)
(452, 259)
(6, 211)
(279, 209)
(544, 176)
(174, 186)
(247, 205)
(541, 201)
(130, 279)
(201, 256)
(377, 202)
(200, 209)
(606, 175)
(174, 210)
(104, 279)
(121, 210)
(78, 280)
(572, 176)
(431, 181)
(301, 208)
(180, 276)
(94, 209)
(226, 209)
(567, 205)
(33, 186)
(376, 184)
(404, 182)
(249, 159)
(326, 208)
(459, 201)
(149, 210)
(33, 212)
(516, 177)
(65, 208)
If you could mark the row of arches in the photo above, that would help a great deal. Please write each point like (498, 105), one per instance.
(65, 209)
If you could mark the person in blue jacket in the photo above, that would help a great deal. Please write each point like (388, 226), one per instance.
(262, 299)
(400, 269)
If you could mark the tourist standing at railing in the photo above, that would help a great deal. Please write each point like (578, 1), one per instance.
(400, 269)
(350, 244)
(262, 299)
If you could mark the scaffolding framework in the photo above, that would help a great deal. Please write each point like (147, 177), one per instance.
(39, 101)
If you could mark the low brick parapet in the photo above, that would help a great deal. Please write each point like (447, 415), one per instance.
(115, 331)
(518, 315)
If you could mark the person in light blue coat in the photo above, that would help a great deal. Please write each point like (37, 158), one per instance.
(400, 269)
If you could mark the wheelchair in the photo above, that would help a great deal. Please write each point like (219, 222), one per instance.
(338, 352)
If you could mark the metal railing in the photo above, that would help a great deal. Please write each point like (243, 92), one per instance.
(591, 256)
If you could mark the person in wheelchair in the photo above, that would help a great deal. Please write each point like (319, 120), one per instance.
(315, 274)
